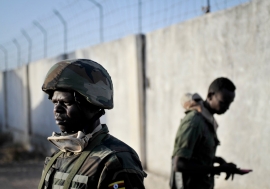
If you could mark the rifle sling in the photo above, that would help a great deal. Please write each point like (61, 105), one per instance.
(48, 166)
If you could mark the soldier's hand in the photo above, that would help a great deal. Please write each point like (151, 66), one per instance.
(229, 168)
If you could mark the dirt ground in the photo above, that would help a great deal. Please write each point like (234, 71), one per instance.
(20, 175)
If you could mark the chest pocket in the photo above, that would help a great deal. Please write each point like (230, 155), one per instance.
(55, 179)
(78, 182)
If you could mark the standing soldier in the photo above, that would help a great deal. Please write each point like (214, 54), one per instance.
(196, 139)
(88, 156)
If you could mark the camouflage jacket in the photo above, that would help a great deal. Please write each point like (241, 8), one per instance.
(111, 164)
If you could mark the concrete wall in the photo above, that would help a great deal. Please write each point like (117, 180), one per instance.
(186, 58)
(2, 102)
(182, 58)
(17, 103)
(120, 58)
(42, 117)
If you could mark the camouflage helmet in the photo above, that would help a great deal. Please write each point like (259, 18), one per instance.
(86, 77)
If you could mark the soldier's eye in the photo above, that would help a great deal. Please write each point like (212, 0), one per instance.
(68, 103)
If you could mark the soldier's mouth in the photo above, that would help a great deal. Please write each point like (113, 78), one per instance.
(57, 117)
(60, 121)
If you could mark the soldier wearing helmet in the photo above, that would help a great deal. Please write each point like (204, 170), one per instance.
(88, 157)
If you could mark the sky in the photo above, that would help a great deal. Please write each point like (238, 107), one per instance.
(17, 14)
(120, 18)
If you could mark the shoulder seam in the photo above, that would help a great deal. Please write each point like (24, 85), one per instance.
(196, 114)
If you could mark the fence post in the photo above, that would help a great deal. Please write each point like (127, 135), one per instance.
(65, 29)
(140, 16)
(100, 19)
(19, 51)
(45, 36)
(29, 44)
(6, 55)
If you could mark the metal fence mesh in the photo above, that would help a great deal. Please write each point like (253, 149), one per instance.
(89, 24)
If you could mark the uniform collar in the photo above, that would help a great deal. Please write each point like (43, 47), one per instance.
(195, 102)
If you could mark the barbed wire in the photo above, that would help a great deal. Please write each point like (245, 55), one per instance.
(83, 25)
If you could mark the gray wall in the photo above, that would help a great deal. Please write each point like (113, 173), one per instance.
(122, 60)
(2, 102)
(42, 118)
(17, 103)
(186, 58)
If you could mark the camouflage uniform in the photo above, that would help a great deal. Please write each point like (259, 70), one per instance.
(196, 140)
(110, 163)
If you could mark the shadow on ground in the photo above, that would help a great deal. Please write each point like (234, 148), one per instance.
(20, 175)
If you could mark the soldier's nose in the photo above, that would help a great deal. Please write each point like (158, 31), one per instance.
(57, 108)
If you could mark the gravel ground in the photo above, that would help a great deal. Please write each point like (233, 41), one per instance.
(23, 175)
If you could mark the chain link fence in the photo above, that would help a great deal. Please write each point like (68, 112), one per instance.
(80, 23)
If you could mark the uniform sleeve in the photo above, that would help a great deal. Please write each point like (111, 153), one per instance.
(187, 135)
(123, 172)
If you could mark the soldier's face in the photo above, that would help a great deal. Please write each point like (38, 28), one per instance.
(221, 101)
(67, 114)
